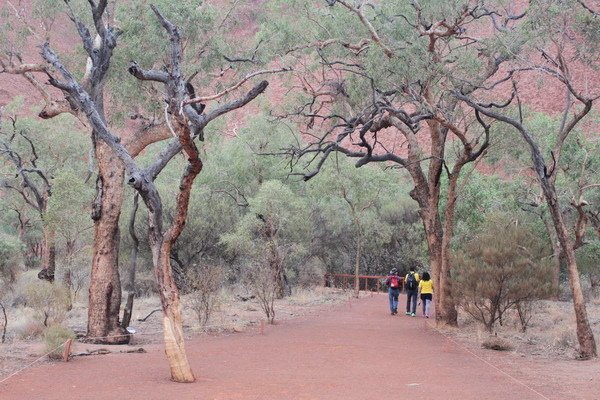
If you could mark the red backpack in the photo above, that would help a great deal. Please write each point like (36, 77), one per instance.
(394, 282)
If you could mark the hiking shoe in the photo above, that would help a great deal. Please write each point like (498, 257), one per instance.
(427, 316)
(413, 315)
(407, 313)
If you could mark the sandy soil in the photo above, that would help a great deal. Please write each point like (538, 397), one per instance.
(231, 315)
(354, 350)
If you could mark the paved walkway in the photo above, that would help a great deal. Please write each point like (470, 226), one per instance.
(355, 351)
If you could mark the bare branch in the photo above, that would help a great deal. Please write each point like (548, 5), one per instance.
(237, 85)
(358, 11)
(147, 75)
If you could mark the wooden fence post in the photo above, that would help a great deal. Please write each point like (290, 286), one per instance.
(67, 350)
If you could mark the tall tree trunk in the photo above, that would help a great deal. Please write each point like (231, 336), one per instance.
(48, 254)
(105, 285)
(433, 236)
(585, 336)
(446, 303)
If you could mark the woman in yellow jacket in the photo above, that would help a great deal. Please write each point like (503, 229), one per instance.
(426, 291)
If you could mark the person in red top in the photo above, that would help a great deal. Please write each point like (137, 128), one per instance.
(393, 282)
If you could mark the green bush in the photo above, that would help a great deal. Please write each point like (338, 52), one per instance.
(11, 257)
(54, 337)
(49, 301)
(505, 267)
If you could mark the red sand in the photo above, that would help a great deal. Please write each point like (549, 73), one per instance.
(350, 352)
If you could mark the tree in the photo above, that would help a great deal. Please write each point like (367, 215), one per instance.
(147, 123)
(35, 163)
(33, 185)
(187, 124)
(379, 89)
(273, 233)
(362, 194)
(552, 28)
(495, 273)
(105, 287)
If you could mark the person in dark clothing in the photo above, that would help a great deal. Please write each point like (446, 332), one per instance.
(393, 282)
(411, 286)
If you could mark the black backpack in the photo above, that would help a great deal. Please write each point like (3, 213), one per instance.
(411, 282)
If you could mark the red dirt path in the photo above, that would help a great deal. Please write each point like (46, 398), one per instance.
(355, 351)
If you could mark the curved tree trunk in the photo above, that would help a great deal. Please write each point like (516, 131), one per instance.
(172, 322)
(105, 285)
(585, 336)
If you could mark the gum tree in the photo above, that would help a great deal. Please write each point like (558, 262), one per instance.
(564, 36)
(377, 87)
(186, 122)
(103, 76)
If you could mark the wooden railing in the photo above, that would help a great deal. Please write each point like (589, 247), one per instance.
(373, 283)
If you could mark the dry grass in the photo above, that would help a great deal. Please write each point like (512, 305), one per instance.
(550, 335)
(497, 343)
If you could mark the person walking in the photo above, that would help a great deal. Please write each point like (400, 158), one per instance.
(426, 292)
(411, 286)
(393, 282)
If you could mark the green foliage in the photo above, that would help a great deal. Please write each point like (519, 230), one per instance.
(204, 284)
(70, 193)
(494, 273)
(276, 208)
(588, 262)
(56, 150)
(49, 301)
(55, 336)
(260, 278)
(11, 258)
(384, 214)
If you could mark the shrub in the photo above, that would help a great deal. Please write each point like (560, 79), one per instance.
(204, 284)
(54, 337)
(496, 343)
(11, 259)
(145, 285)
(49, 301)
(311, 274)
(75, 280)
(260, 277)
(494, 273)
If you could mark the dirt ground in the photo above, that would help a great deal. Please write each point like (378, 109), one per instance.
(353, 350)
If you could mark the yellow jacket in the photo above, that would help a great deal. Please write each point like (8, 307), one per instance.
(426, 287)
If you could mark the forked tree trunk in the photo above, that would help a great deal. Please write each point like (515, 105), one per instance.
(105, 285)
